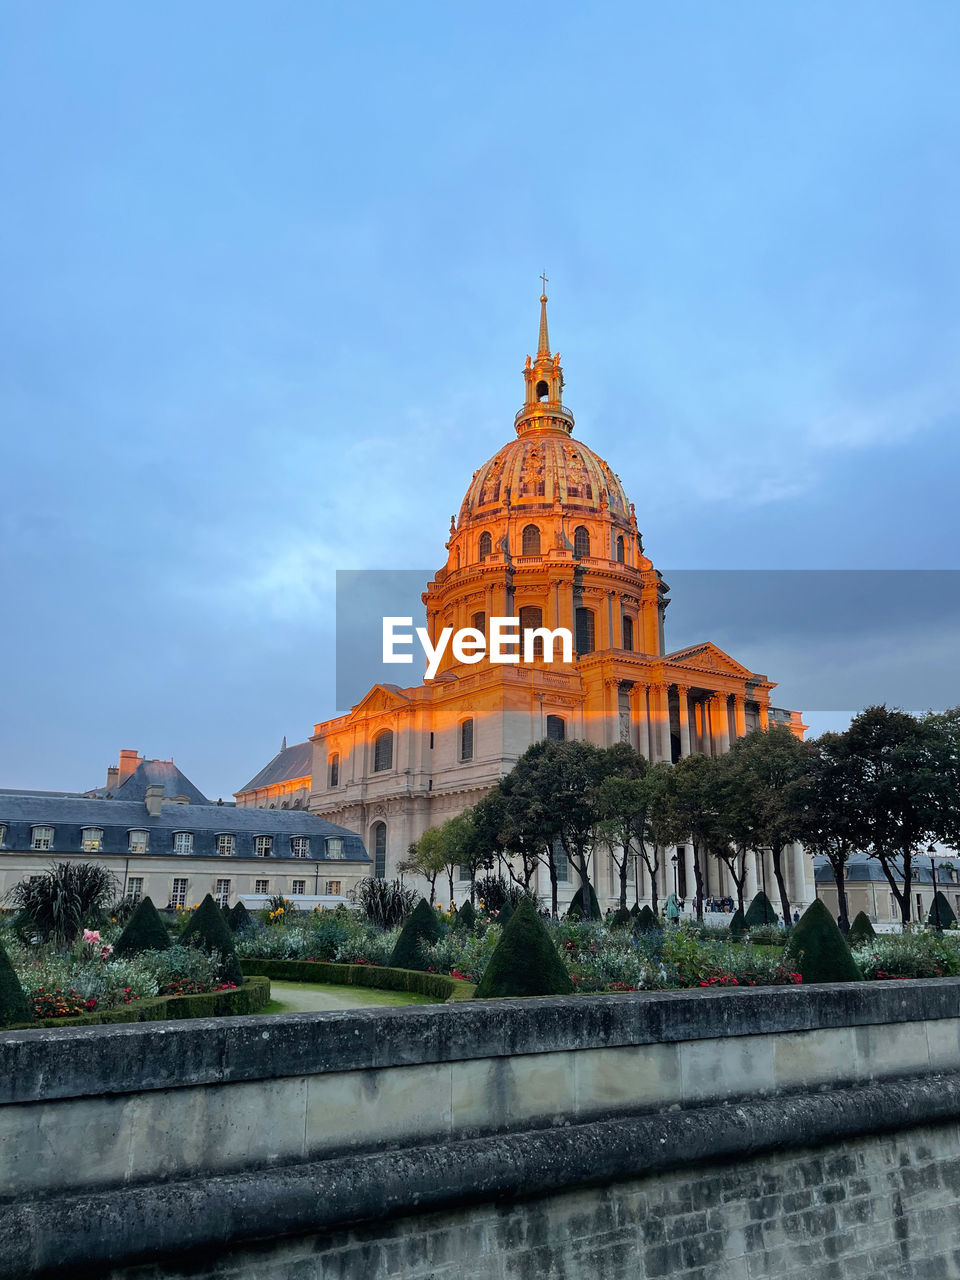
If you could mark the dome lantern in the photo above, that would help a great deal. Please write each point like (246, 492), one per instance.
(542, 409)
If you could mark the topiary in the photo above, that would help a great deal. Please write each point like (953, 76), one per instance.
(525, 961)
(620, 919)
(144, 931)
(575, 910)
(818, 948)
(635, 910)
(941, 913)
(861, 931)
(239, 918)
(645, 920)
(760, 911)
(422, 927)
(505, 914)
(208, 930)
(466, 917)
(14, 1006)
(738, 925)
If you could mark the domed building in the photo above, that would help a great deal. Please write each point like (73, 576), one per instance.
(545, 534)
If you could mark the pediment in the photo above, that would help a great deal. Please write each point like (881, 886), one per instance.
(381, 698)
(709, 657)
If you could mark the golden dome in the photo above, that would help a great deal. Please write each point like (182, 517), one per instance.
(539, 469)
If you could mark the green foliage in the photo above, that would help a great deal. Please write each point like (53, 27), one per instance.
(819, 950)
(525, 962)
(738, 925)
(209, 931)
(239, 919)
(505, 913)
(494, 891)
(861, 931)
(909, 955)
(422, 927)
(13, 998)
(384, 903)
(575, 910)
(941, 913)
(645, 920)
(760, 911)
(145, 931)
(435, 985)
(466, 917)
(621, 919)
(57, 904)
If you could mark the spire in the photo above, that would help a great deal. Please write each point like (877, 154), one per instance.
(543, 344)
(283, 744)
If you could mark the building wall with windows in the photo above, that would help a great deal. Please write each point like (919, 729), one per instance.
(867, 888)
(176, 853)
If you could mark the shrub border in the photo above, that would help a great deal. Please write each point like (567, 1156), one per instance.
(252, 997)
(439, 986)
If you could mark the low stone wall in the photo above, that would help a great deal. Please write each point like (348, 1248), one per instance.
(348, 1130)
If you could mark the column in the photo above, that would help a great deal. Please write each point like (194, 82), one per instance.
(689, 871)
(638, 701)
(659, 723)
(682, 693)
(750, 880)
(721, 726)
(739, 715)
(764, 715)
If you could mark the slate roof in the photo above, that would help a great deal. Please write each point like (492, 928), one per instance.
(150, 773)
(862, 869)
(288, 764)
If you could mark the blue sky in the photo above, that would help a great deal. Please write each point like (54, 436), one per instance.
(270, 274)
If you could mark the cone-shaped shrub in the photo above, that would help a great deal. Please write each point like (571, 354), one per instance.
(575, 910)
(208, 930)
(620, 919)
(635, 910)
(760, 911)
(737, 925)
(645, 920)
(239, 918)
(525, 961)
(861, 931)
(466, 917)
(505, 914)
(14, 1006)
(818, 948)
(144, 931)
(422, 927)
(941, 913)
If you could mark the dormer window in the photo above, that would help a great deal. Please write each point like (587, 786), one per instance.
(3, 833)
(300, 846)
(263, 846)
(41, 837)
(225, 844)
(137, 841)
(183, 843)
(334, 847)
(91, 839)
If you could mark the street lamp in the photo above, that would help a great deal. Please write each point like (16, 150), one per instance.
(934, 908)
(636, 880)
(676, 862)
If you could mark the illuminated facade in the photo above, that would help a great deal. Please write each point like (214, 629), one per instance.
(545, 533)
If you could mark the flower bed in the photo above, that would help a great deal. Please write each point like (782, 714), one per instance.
(225, 1001)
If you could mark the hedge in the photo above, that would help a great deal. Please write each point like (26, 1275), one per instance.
(436, 985)
(252, 997)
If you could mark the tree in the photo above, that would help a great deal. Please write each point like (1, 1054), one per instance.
(622, 803)
(208, 930)
(385, 903)
(827, 803)
(904, 769)
(771, 763)
(529, 827)
(689, 811)
(144, 931)
(473, 836)
(426, 857)
(57, 904)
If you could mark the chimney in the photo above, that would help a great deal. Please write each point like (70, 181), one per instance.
(128, 764)
(113, 775)
(154, 799)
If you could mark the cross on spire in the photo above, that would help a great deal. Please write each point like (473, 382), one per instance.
(543, 277)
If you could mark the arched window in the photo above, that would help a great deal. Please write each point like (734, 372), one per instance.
(466, 740)
(621, 556)
(383, 751)
(335, 769)
(581, 542)
(479, 622)
(531, 541)
(556, 728)
(379, 842)
(530, 618)
(543, 390)
(486, 546)
(628, 633)
(585, 631)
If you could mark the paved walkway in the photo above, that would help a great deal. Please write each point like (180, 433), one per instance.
(300, 997)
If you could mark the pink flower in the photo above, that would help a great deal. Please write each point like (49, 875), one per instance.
(90, 935)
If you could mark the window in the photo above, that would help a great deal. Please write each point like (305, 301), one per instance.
(383, 751)
(298, 888)
(530, 618)
(261, 886)
(225, 844)
(334, 847)
(530, 542)
(581, 542)
(463, 873)
(183, 842)
(135, 888)
(479, 622)
(466, 740)
(561, 863)
(263, 846)
(620, 550)
(585, 631)
(543, 390)
(300, 846)
(486, 547)
(380, 850)
(223, 893)
(332, 886)
(628, 633)
(91, 839)
(556, 728)
(137, 842)
(178, 895)
(3, 832)
(41, 837)
(335, 769)
(893, 907)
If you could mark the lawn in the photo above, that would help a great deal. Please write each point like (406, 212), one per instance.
(315, 997)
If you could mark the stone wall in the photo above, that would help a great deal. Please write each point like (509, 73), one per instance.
(702, 1133)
